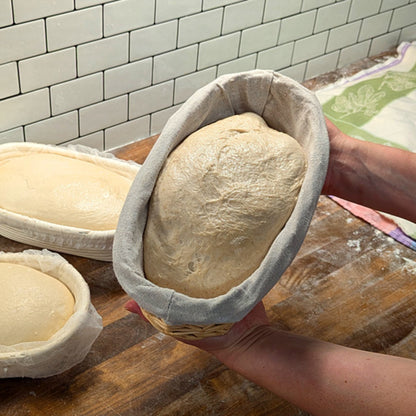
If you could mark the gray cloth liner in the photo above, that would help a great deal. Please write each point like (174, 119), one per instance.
(286, 106)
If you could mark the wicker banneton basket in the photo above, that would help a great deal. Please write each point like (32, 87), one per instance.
(285, 106)
(70, 344)
(187, 331)
(95, 244)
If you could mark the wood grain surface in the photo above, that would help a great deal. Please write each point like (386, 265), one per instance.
(349, 284)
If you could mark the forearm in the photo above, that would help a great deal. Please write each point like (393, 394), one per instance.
(323, 378)
(373, 175)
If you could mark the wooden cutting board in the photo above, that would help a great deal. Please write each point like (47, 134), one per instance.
(349, 284)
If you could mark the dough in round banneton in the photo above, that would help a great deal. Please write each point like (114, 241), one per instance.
(33, 305)
(220, 200)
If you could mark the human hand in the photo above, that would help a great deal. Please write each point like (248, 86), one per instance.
(239, 336)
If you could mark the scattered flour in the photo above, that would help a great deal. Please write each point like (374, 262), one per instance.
(160, 336)
(355, 244)
(409, 266)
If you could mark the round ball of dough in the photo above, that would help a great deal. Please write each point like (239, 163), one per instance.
(33, 305)
(220, 200)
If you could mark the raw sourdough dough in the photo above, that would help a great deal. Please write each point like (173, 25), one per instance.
(62, 190)
(220, 200)
(33, 305)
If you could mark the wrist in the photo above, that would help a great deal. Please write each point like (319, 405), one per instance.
(341, 165)
(235, 353)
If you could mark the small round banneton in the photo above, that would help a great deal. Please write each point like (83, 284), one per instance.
(286, 106)
(66, 239)
(69, 345)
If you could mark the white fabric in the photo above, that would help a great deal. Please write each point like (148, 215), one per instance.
(285, 106)
(71, 343)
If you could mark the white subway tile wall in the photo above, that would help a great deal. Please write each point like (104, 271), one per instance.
(218, 50)
(374, 26)
(64, 126)
(107, 72)
(277, 9)
(25, 10)
(322, 64)
(332, 16)
(9, 80)
(105, 114)
(47, 69)
(174, 64)
(118, 135)
(107, 53)
(199, 27)
(297, 27)
(159, 119)
(22, 41)
(74, 28)
(124, 15)
(6, 15)
(151, 99)
(354, 53)
(126, 78)
(297, 72)
(277, 58)
(77, 93)
(361, 9)
(185, 86)
(343, 36)
(14, 135)
(95, 140)
(246, 63)
(153, 40)
(259, 37)
(24, 109)
(242, 15)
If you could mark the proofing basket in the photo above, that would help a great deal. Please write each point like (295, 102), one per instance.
(286, 106)
(80, 242)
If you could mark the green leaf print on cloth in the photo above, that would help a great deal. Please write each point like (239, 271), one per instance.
(359, 103)
(365, 102)
(379, 105)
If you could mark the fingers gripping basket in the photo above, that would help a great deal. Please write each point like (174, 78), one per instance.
(285, 106)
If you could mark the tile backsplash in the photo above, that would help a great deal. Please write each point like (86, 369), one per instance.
(105, 73)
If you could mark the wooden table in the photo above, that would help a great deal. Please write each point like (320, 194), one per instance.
(349, 284)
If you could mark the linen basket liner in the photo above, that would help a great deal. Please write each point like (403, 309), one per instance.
(286, 106)
(70, 344)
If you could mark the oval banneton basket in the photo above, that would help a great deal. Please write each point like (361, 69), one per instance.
(68, 346)
(66, 239)
(286, 106)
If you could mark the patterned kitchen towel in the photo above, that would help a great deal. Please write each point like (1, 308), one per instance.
(378, 105)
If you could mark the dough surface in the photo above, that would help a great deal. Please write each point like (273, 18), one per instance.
(33, 305)
(62, 190)
(220, 200)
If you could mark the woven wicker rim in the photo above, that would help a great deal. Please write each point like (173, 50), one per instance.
(187, 331)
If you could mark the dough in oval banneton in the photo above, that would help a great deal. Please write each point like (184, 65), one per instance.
(221, 198)
(62, 190)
